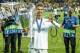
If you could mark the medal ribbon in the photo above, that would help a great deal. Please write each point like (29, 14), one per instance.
(39, 25)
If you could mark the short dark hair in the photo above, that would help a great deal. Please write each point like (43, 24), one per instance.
(40, 4)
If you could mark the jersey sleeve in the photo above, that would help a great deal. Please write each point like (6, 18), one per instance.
(54, 24)
(77, 21)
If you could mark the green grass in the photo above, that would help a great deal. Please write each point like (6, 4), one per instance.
(56, 44)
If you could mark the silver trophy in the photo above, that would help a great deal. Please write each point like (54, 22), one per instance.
(26, 17)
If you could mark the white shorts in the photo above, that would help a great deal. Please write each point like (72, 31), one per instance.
(38, 51)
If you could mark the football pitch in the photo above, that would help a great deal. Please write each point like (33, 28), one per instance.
(55, 40)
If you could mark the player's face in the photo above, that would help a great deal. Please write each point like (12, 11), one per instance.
(70, 14)
(39, 11)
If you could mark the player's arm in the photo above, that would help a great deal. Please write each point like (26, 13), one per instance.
(77, 23)
(54, 22)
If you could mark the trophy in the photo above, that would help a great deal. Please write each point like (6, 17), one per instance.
(26, 18)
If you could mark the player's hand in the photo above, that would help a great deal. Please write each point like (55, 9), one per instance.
(26, 29)
(50, 17)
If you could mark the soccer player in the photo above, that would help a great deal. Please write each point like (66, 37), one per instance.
(69, 24)
(39, 35)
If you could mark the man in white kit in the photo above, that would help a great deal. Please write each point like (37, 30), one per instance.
(39, 35)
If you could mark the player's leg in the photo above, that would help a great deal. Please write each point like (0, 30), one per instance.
(7, 42)
(31, 50)
(13, 43)
(66, 42)
(73, 43)
(43, 51)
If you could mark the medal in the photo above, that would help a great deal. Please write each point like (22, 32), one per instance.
(39, 25)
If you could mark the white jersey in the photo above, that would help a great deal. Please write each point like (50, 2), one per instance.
(39, 40)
